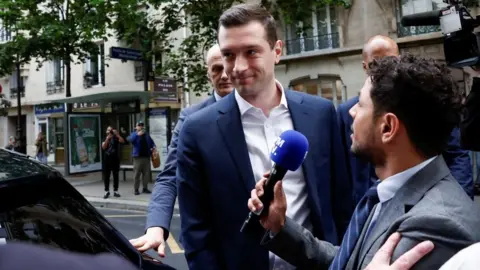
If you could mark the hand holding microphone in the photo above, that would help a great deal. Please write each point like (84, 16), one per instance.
(268, 203)
(277, 209)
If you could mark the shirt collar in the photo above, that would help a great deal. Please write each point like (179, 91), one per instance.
(388, 187)
(217, 96)
(244, 106)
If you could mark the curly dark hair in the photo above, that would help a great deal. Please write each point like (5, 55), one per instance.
(422, 94)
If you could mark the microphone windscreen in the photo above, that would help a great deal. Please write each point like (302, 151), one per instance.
(290, 150)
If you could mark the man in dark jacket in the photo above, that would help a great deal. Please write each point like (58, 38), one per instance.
(361, 172)
(164, 194)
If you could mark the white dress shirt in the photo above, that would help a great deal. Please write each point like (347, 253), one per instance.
(217, 96)
(387, 188)
(261, 133)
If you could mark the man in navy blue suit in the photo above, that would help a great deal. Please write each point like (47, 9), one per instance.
(362, 172)
(224, 149)
(162, 202)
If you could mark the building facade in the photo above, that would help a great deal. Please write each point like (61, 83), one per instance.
(100, 74)
(326, 60)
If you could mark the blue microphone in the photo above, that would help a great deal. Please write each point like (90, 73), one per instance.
(288, 154)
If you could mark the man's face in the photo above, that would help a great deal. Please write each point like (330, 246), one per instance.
(365, 142)
(109, 129)
(248, 59)
(139, 127)
(217, 76)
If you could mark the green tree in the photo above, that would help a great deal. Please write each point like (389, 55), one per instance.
(140, 29)
(18, 49)
(186, 62)
(63, 29)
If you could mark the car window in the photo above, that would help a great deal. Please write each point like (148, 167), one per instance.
(17, 166)
(53, 214)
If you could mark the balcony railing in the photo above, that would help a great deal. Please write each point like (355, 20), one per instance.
(315, 43)
(55, 87)
(405, 31)
(13, 92)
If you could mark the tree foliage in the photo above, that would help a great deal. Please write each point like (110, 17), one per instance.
(59, 29)
(186, 62)
(68, 30)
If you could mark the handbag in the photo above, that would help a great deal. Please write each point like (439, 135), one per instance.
(155, 158)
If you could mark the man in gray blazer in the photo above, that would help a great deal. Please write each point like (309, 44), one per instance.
(406, 111)
(160, 209)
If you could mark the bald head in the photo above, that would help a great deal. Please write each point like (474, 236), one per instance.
(213, 54)
(216, 73)
(377, 47)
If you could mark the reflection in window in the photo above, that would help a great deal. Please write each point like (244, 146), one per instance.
(64, 223)
(330, 88)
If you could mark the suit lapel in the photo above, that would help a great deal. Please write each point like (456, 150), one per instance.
(406, 196)
(230, 125)
(301, 118)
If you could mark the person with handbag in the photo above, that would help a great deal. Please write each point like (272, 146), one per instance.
(143, 146)
(41, 148)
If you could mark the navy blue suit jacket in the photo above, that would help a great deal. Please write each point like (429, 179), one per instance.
(215, 179)
(362, 172)
(162, 202)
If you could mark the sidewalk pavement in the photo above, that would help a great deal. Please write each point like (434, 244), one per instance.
(91, 186)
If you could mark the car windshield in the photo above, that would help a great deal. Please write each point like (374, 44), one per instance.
(48, 211)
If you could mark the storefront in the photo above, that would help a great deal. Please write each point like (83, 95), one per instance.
(49, 120)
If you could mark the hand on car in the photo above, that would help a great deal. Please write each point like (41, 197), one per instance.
(278, 207)
(153, 239)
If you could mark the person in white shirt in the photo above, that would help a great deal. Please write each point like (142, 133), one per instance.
(225, 148)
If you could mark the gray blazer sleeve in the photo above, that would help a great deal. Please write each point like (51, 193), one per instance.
(162, 202)
(299, 247)
(447, 235)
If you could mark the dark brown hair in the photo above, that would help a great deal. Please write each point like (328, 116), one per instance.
(240, 15)
(422, 94)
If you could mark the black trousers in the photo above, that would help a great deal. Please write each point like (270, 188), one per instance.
(112, 165)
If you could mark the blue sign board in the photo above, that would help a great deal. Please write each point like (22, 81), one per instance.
(126, 54)
(49, 108)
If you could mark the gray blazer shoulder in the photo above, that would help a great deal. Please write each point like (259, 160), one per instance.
(430, 206)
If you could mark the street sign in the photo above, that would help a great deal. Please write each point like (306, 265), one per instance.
(165, 89)
(126, 54)
(49, 108)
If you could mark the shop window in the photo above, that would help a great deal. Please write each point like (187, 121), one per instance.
(56, 132)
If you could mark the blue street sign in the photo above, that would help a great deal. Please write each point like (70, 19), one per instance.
(49, 108)
(126, 54)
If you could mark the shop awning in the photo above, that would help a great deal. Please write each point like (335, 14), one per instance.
(105, 97)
